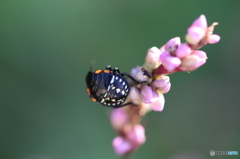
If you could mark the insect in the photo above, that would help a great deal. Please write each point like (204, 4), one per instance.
(109, 87)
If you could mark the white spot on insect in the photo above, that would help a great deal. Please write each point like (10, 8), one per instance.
(125, 87)
(118, 103)
(113, 100)
(105, 95)
(102, 100)
(123, 83)
(108, 88)
(109, 103)
(120, 80)
(127, 90)
(117, 90)
(104, 103)
(113, 87)
(112, 80)
(113, 104)
(123, 92)
(107, 98)
(116, 77)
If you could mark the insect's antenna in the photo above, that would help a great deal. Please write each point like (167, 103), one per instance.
(92, 64)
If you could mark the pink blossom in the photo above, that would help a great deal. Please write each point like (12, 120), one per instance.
(183, 50)
(158, 105)
(148, 94)
(119, 118)
(135, 96)
(194, 61)
(121, 146)
(214, 38)
(162, 84)
(201, 22)
(137, 135)
(171, 63)
(195, 34)
(152, 58)
(172, 44)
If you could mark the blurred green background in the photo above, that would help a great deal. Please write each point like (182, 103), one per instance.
(48, 45)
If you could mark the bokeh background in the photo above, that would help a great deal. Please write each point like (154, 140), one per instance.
(46, 47)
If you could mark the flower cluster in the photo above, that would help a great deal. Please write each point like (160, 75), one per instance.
(172, 57)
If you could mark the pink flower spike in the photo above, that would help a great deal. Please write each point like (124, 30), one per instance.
(163, 56)
(159, 104)
(214, 38)
(171, 63)
(137, 135)
(148, 94)
(183, 50)
(119, 118)
(121, 146)
(195, 34)
(172, 44)
(201, 22)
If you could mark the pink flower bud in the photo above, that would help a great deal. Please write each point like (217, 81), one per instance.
(163, 56)
(195, 34)
(202, 55)
(158, 105)
(121, 146)
(160, 83)
(192, 62)
(214, 38)
(183, 50)
(171, 63)
(135, 96)
(148, 94)
(201, 22)
(172, 44)
(119, 118)
(137, 135)
(166, 89)
(152, 58)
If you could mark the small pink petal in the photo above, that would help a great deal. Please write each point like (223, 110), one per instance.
(195, 34)
(159, 104)
(167, 88)
(137, 135)
(159, 83)
(163, 56)
(214, 38)
(171, 63)
(201, 22)
(183, 50)
(119, 118)
(148, 94)
(121, 146)
(135, 95)
(172, 44)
